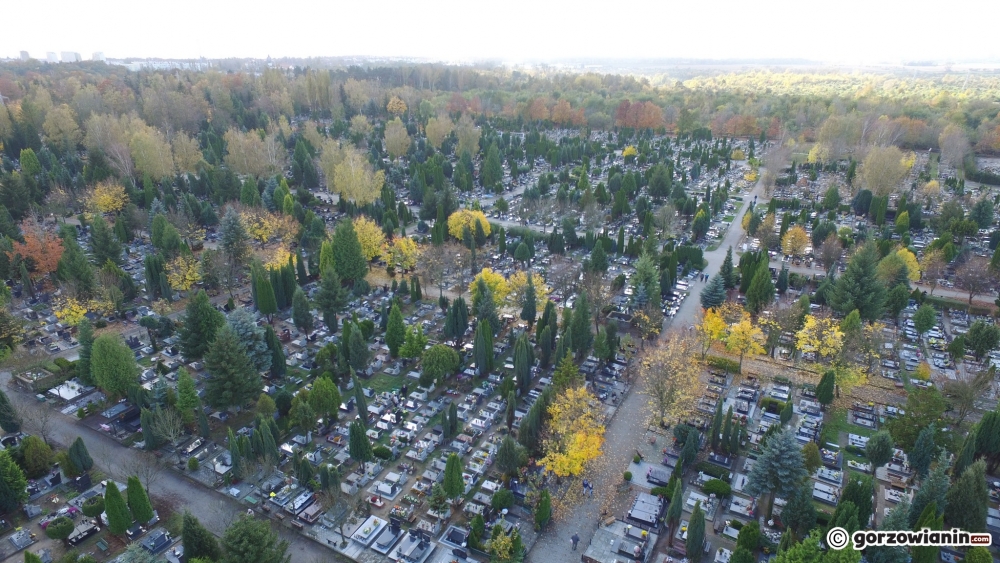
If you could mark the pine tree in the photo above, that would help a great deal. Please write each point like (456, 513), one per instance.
(119, 518)
(85, 336)
(138, 501)
(103, 243)
(714, 294)
(201, 322)
(348, 258)
(395, 332)
(779, 468)
(233, 236)
(728, 272)
(252, 338)
(199, 543)
(859, 287)
(233, 380)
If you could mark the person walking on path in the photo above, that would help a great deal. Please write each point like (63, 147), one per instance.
(574, 540)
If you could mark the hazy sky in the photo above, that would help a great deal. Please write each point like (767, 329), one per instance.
(849, 31)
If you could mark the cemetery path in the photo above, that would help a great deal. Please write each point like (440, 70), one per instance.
(626, 434)
(215, 510)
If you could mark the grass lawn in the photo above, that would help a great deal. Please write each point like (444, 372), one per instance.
(836, 422)
(382, 382)
(728, 218)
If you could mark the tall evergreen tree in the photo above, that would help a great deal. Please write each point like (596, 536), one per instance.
(728, 272)
(138, 501)
(103, 243)
(968, 499)
(348, 258)
(301, 313)
(482, 350)
(522, 363)
(800, 514)
(265, 297)
(395, 331)
(583, 339)
(13, 484)
(10, 420)
(201, 322)
(359, 448)
(779, 468)
(529, 309)
(695, 533)
(232, 381)
(933, 490)
(453, 484)
(85, 336)
(923, 451)
(761, 291)
(331, 298)
(79, 455)
(119, 518)
(252, 338)
(277, 361)
(714, 294)
(825, 389)
(859, 287)
(198, 542)
(716, 426)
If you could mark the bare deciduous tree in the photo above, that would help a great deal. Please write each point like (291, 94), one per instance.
(974, 276)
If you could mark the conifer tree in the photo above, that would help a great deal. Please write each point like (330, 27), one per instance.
(138, 501)
(119, 518)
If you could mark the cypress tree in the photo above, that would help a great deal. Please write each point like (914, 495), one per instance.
(716, 425)
(80, 456)
(85, 335)
(278, 367)
(359, 448)
(482, 350)
(9, 419)
(583, 339)
(300, 267)
(348, 258)
(301, 314)
(119, 518)
(395, 331)
(278, 286)
(453, 485)
(529, 309)
(728, 272)
(266, 300)
(138, 501)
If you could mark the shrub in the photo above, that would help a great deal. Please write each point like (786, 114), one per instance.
(193, 464)
(94, 506)
(772, 405)
(717, 486)
(81, 413)
(660, 492)
(628, 476)
(636, 459)
(382, 452)
(502, 499)
(731, 366)
(713, 471)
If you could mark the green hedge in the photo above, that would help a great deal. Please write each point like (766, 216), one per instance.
(660, 492)
(713, 470)
(717, 486)
(731, 366)
(771, 405)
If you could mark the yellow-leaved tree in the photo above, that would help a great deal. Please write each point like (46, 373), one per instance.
(352, 175)
(575, 432)
(495, 282)
(795, 241)
(745, 338)
(370, 236)
(912, 265)
(403, 253)
(821, 336)
(467, 217)
(710, 330)
(69, 311)
(672, 376)
(396, 106)
(517, 285)
(183, 272)
(108, 197)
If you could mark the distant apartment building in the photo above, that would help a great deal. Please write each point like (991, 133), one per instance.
(71, 57)
(25, 56)
(98, 56)
(51, 57)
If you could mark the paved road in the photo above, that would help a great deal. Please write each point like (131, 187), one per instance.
(214, 509)
(626, 431)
